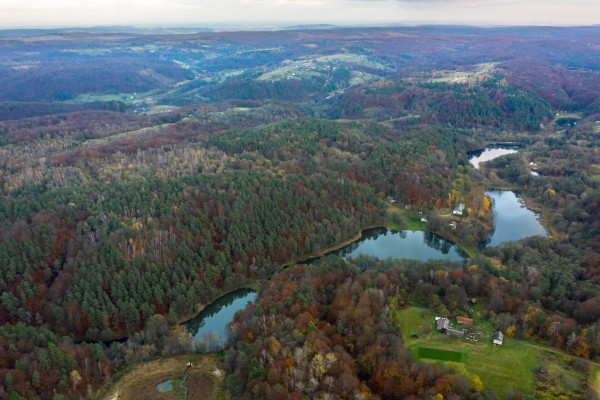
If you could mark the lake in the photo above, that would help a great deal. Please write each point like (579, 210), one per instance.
(488, 154)
(512, 220)
(208, 327)
(388, 243)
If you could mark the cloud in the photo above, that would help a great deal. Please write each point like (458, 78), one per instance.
(31, 13)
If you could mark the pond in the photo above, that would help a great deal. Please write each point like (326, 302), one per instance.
(388, 243)
(512, 220)
(165, 386)
(208, 327)
(488, 154)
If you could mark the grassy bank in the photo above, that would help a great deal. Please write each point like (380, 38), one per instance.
(205, 379)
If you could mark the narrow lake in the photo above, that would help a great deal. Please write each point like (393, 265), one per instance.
(512, 220)
(387, 243)
(488, 154)
(208, 327)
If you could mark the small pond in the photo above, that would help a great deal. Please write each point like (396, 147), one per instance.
(209, 326)
(512, 220)
(488, 154)
(388, 243)
(165, 386)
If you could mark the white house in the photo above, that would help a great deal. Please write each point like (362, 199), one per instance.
(458, 209)
(498, 338)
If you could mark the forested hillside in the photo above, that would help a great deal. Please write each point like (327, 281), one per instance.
(142, 177)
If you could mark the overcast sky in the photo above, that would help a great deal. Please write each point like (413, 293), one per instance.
(53, 13)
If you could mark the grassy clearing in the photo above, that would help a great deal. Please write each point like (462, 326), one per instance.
(204, 381)
(402, 219)
(595, 379)
(315, 66)
(512, 365)
(481, 72)
(438, 354)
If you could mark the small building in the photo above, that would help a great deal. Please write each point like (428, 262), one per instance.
(390, 199)
(423, 219)
(472, 300)
(498, 338)
(463, 320)
(455, 332)
(442, 324)
(458, 209)
(453, 225)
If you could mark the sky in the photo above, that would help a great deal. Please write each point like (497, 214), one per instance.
(211, 13)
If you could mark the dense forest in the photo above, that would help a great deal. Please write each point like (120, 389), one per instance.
(144, 176)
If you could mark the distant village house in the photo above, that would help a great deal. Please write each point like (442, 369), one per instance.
(458, 209)
(390, 199)
(463, 320)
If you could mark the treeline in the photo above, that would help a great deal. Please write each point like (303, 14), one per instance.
(65, 78)
(490, 104)
(97, 261)
(424, 168)
(324, 333)
(36, 363)
(18, 110)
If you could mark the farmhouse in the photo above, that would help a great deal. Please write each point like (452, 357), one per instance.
(498, 338)
(463, 320)
(442, 324)
(458, 209)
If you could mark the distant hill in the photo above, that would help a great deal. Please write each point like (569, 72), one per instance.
(308, 26)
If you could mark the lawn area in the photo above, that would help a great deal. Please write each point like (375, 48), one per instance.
(412, 321)
(512, 365)
(438, 354)
(407, 220)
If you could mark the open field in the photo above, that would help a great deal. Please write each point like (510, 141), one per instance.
(512, 365)
(315, 66)
(88, 97)
(481, 72)
(438, 354)
(204, 380)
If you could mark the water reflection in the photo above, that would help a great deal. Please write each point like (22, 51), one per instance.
(387, 243)
(512, 220)
(488, 154)
(209, 327)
